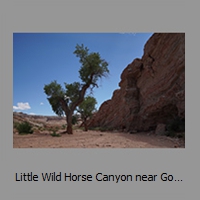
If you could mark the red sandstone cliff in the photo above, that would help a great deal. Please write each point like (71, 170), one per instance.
(152, 89)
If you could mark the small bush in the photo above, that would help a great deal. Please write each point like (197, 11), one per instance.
(54, 134)
(24, 128)
(74, 119)
(15, 124)
(64, 126)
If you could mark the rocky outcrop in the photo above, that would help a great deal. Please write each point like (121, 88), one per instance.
(152, 89)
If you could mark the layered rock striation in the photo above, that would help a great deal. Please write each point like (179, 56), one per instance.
(152, 89)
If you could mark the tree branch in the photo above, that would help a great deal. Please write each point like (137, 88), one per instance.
(64, 106)
(82, 93)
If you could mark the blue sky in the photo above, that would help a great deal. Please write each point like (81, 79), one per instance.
(39, 58)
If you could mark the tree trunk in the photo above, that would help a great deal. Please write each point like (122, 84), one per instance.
(85, 125)
(69, 123)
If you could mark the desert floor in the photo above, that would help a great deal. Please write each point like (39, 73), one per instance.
(96, 139)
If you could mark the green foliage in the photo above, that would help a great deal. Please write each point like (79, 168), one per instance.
(72, 91)
(54, 129)
(92, 64)
(24, 128)
(15, 124)
(54, 92)
(64, 126)
(54, 89)
(74, 119)
(87, 107)
(54, 134)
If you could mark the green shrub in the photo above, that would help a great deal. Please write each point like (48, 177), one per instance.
(54, 134)
(15, 124)
(74, 119)
(64, 126)
(24, 128)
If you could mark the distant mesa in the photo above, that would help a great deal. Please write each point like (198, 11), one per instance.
(23, 116)
(152, 89)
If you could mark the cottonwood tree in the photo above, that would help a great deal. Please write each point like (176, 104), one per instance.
(65, 101)
(86, 109)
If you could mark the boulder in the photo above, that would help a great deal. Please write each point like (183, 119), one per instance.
(160, 129)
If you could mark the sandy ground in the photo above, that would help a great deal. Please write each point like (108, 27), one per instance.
(96, 139)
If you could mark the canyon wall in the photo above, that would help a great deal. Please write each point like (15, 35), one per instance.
(152, 89)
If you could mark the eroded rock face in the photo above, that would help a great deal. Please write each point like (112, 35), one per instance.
(152, 89)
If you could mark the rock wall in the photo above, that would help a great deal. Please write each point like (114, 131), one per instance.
(152, 89)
